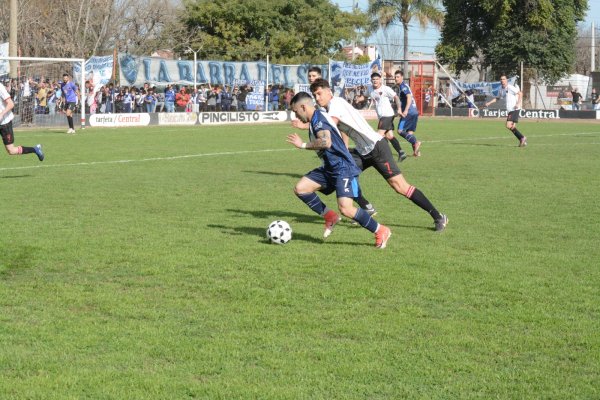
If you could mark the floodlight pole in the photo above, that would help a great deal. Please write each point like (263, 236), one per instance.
(12, 44)
(195, 65)
(593, 66)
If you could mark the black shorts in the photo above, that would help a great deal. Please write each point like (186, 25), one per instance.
(6, 131)
(380, 158)
(513, 116)
(386, 124)
(71, 106)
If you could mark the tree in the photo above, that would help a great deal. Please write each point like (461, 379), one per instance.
(504, 33)
(82, 28)
(386, 12)
(289, 31)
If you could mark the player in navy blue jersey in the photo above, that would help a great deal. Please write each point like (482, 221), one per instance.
(409, 115)
(338, 172)
(314, 73)
(71, 94)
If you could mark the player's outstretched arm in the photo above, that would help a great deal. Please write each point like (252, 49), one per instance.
(299, 124)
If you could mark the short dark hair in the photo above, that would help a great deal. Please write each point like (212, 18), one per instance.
(300, 97)
(375, 75)
(399, 72)
(315, 69)
(319, 83)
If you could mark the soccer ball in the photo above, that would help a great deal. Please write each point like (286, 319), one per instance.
(279, 232)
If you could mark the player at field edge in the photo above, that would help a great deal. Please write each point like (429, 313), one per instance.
(71, 95)
(371, 149)
(313, 74)
(409, 115)
(338, 173)
(383, 97)
(6, 128)
(514, 100)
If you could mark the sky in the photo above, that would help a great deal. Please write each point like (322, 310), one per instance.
(424, 41)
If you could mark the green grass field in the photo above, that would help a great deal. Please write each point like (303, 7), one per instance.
(134, 265)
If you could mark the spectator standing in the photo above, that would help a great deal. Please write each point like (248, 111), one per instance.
(51, 98)
(287, 98)
(181, 100)
(577, 99)
(273, 98)
(170, 99)
(27, 101)
(218, 92)
(244, 90)
(226, 99)
(150, 101)
(201, 99)
(128, 101)
(595, 99)
(42, 98)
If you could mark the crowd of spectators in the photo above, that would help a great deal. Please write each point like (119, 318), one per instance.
(34, 96)
(43, 96)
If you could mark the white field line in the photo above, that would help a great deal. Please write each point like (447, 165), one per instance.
(233, 153)
(509, 136)
(83, 164)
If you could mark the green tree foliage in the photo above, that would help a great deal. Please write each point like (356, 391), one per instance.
(289, 31)
(503, 33)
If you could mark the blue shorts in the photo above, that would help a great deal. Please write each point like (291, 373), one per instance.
(343, 185)
(408, 123)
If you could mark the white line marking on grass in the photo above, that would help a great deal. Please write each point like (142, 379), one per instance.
(508, 136)
(232, 153)
(83, 164)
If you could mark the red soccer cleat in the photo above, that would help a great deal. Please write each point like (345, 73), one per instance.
(381, 236)
(331, 218)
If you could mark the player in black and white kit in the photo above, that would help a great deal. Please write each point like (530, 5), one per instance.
(371, 148)
(6, 128)
(383, 96)
(511, 95)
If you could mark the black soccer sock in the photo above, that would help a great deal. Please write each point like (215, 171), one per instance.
(395, 144)
(70, 120)
(26, 150)
(362, 202)
(518, 134)
(417, 197)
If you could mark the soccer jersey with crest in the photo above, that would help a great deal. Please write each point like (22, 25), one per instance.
(403, 91)
(509, 96)
(336, 159)
(354, 125)
(383, 97)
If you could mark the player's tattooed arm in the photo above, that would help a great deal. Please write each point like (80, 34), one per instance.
(322, 141)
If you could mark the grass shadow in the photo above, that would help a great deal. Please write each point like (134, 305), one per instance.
(482, 144)
(16, 176)
(15, 259)
(260, 233)
(278, 214)
(271, 173)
